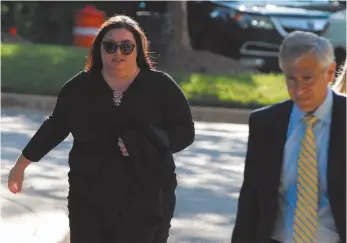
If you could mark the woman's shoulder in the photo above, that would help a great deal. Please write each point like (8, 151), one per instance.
(158, 73)
(75, 82)
(160, 77)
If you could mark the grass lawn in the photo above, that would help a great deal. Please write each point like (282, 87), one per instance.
(43, 69)
(38, 69)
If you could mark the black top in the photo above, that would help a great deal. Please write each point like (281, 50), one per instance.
(85, 108)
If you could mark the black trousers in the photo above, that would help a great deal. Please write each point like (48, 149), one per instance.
(88, 225)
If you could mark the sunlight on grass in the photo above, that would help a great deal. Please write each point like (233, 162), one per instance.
(244, 88)
(45, 68)
(55, 54)
(10, 49)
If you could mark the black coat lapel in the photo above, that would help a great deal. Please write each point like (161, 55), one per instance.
(337, 141)
(276, 133)
(279, 128)
(336, 174)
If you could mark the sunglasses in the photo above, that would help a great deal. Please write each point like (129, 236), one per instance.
(126, 48)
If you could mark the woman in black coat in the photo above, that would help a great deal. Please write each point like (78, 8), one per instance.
(126, 120)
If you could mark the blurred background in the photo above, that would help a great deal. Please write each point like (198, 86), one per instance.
(217, 50)
(223, 54)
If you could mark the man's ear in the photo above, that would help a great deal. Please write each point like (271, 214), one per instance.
(331, 72)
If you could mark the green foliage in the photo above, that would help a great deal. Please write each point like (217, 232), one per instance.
(39, 69)
(43, 69)
(234, 90)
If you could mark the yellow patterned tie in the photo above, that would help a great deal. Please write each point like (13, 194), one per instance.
(306, 212)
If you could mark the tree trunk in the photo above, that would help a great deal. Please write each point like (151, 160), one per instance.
(179, 18)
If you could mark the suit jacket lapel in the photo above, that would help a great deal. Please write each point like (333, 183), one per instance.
(280, 128)
(336, 131)
(336, 174)
(274, 147)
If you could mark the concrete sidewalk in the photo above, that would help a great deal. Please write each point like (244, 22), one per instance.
(22, 221)
(39, 213)
(210, 173)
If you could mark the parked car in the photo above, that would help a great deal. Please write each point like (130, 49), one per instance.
(335, 31)
(251, 31)
(322, 5)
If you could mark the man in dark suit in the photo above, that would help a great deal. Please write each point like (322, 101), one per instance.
(294, 187)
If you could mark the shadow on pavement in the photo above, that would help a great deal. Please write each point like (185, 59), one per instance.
(210, 173)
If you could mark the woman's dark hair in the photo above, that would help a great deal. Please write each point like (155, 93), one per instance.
(94, 61)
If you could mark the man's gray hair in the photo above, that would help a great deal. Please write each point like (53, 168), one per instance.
(299, 43)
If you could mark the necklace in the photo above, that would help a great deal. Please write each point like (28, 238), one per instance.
(117, 96)
(118, 92)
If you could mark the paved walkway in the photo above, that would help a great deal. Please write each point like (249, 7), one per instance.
(209, 174)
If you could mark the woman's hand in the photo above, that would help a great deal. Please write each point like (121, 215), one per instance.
(16, 175)
(15, 179)
(122, 147)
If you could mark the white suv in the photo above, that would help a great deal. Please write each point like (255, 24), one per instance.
(335, 31)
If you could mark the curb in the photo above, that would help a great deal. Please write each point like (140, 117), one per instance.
(221, 115)
(205, 114)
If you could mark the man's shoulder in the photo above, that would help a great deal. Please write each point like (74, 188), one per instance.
(340, 97)
(340, 103)
(271, 111)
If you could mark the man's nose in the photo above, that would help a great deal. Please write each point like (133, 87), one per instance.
(299, 91)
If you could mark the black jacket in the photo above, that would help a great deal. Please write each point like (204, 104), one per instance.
(258, 201)
(85, 110)
(149, 170)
